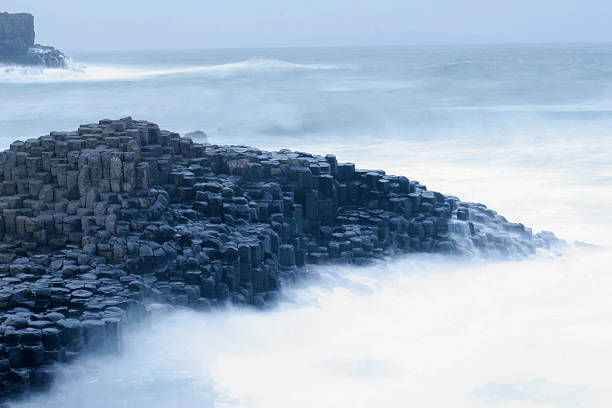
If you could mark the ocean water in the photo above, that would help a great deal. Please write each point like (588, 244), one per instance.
(525, 129)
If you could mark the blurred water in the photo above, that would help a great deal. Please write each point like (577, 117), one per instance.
(420, 331)
(525, 129)
(276, 96)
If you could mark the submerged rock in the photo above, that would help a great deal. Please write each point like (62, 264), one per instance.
(17, 43)
(99, 223)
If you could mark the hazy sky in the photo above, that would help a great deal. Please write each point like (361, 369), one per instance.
(157, 24)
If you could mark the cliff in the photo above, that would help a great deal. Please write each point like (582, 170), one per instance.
(17, 43)
(98, 223)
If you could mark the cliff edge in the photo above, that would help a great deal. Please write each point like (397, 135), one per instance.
(17, 43)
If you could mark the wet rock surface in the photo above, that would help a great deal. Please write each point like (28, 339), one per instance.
(17, 43)
(98, 223)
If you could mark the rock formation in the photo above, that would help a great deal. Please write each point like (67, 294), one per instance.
(17, 43)
(98, 223)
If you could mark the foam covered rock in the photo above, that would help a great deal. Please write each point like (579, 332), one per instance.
(99, 223)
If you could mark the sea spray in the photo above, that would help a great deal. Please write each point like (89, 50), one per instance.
(531, 140)
(393, 333)
(86, 72)
(120, 213)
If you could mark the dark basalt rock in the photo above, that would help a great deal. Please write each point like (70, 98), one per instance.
(98, 223)
(17, 43)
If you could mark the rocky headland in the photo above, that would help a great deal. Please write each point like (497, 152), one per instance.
(17, 43)
(99, 223)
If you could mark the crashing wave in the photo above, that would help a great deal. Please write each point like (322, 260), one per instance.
(79, 72)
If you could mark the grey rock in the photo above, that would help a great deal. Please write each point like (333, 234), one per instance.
(17, 43)
(120, 213)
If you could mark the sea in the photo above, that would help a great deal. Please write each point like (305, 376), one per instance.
(525, 129)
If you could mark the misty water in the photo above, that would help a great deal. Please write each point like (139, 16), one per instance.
(526, 130)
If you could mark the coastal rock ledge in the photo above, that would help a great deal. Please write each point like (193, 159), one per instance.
(17, 43)
(100, 223)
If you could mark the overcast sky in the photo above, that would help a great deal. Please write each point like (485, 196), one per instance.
(184, 24)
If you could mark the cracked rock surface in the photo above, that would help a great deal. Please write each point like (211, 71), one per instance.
(98, 223)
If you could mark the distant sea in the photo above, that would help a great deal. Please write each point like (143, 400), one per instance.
(525, 129)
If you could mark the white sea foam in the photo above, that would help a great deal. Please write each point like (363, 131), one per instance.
(420, 331)
(92, 72)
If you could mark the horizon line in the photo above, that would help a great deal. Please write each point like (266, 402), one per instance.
(433, 44)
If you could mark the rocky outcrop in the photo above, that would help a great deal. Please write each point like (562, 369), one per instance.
(98, 223)
(16, 33)
(17, 43)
